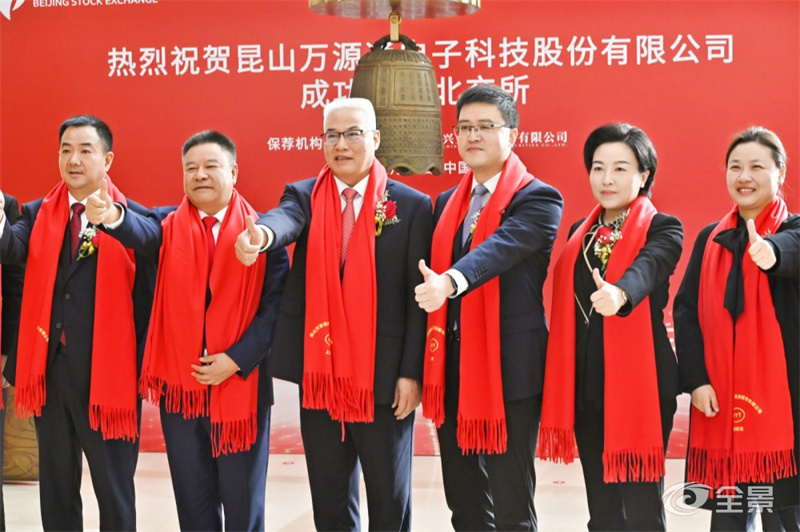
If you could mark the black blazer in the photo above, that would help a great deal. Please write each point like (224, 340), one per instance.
(784, 284)
(143, 234)
(401, 324)
(648, 275)
(13, 277)
(519, 253)
(74, 296)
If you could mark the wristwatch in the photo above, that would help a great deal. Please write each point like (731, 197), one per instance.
(453, 282)
(624, 296)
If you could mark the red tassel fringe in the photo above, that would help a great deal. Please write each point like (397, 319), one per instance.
(114, 423)
(233, 436)
(557, 445)
(718, 468)
(150, 389)
(634, 465)
(193, 403)
(339, 397)
(485, 436)
(433, 403)
(30, 397)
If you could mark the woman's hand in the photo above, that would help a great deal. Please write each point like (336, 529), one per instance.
(608, 298)
(704, 398)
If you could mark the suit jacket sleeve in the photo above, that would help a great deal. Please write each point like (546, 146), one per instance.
(140, 230)
(655, 262)
(13, 279)
(412, 362)
(529, 226)
(14, 243)
(293, 214)
(689, 344)
(786, 244)
(254, 345)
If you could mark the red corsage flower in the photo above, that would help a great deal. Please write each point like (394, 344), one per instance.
(385, 213)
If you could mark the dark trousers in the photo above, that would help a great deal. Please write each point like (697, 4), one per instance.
(336, 453)
(783, 520)
(618, 505)
(493, 491)
(204, 485)
(2, 455)
(64, 433)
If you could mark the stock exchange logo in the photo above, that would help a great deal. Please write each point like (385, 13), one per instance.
(7, 6)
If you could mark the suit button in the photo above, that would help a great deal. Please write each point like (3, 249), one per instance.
(58, 325)
(67, 296)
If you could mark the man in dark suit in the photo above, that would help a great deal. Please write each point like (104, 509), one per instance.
(348, 330)
(486, 347)
(13, 277)
(78, 354)
(212, 321)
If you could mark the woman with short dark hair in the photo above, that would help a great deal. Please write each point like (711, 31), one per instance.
(736, 335)
(611, 377)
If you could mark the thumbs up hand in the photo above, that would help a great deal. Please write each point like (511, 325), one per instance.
(249, 242)
(100, 208)
(608, 298)
(760, 250)
(432, 293)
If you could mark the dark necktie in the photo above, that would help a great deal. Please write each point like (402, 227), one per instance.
(210, 222)
(75, 227)
(475, 207)
(348, 220)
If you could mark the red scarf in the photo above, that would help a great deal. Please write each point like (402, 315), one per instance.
(112, 396)
(633, 450)
(481, 412)
(339, 363)
(750, 439)
(175, 338)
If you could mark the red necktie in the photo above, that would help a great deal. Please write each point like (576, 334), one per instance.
(348, 220)
(75, 227)
(210, 222)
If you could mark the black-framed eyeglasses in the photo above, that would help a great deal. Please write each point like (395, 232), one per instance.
(463, 130)
(351, 136)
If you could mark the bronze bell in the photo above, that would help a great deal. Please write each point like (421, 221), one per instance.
(401, 85)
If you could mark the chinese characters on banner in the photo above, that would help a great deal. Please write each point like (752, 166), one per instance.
(514, 56)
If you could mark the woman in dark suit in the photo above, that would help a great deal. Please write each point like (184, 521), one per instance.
(611, 374)
(736, 333)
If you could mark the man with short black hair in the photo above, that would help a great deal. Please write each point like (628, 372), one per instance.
(82, 330)
(206, 356)
(486, 346)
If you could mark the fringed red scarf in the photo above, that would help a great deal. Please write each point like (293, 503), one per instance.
(633, 450)
(175, 338)
(340, 332)
(112, 396)
(481, 412)
(750, 439)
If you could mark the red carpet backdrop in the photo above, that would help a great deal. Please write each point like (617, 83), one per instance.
(690, 73)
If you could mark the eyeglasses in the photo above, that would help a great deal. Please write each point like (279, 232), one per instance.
(463, 130)
(331, 138)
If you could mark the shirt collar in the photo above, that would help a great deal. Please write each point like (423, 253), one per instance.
(219, 216)
(73, 200)
(490, 184)
(360, 187)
